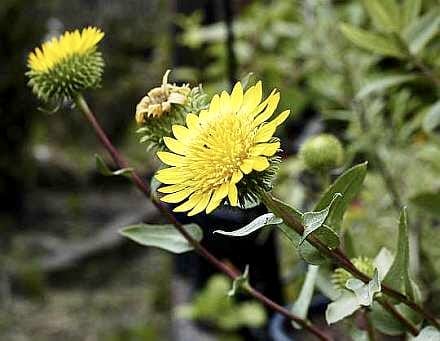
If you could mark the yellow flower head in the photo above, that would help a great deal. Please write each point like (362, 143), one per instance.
(224, 151)
(57, 50)
(67, 65)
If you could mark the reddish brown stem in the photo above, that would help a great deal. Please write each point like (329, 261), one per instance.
(230, 271)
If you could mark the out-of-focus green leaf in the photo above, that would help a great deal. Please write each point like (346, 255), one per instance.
(254, 225)
(314, 220)
(397, 276)
(411, 10)
(162, 236)
(428, 201)
(364, 291)
(432, 118)
(382, 84)
(104, 170)
(302, 303)
(387, 323)
(429, 333)
(385, 14)
(348, 184)
(423, 30)
(343, 307)
(373, 42)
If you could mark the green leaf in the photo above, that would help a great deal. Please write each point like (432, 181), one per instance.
(343, 307)
(432, 118)
(349, 185)
(240, 283)
(314, 220)
(384, 14)
(373, 42)
(411, 10)
(397, 276)
(254, 225)
(365, 292)
(423, 30)
(104, 170)
(387, 323)
(382, 84)
(429, 333)
(162, 236)
(428, 201)
(306, 251)
(302, 303)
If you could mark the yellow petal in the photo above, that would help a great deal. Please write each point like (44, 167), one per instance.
(174, 145)
(171, 188)
(260, 163)
(178, 196)
(204, 114)
(214, 106)
(193, 200)
(233, 195)
(263, 104)
(251, 98)
(266, 149)
(246, 166)
(180, 132)
(267, 113)
(266, 131)
(236, 97)
(171, 159)
(236, 177)
(225, 103)
(192, 121)
(169, 176)
(212, 206)
(220, 192)
(201, 205)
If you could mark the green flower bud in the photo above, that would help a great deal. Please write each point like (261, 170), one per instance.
(322, 153)
(67, 65)
(341, 276)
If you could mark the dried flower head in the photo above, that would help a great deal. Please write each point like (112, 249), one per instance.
(158, 101)
(227, 150)
(66, 65)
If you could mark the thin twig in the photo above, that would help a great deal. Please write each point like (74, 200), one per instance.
(402, 319)
(201, 250)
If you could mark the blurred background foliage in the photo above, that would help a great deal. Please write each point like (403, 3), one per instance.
(343, 67)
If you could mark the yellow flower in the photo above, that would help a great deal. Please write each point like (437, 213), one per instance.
(57, 50)
(221, 149)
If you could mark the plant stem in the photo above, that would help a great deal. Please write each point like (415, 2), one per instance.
(339, 258)
(120, 162)
(402, 319)
(369, 326)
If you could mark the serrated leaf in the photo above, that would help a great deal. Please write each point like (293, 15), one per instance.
(314, 220)
(240, 283)
(432, 118)
(428, 201)
(397, 276)
(382, 84)
(162, 236)
(343, 307)
(373, 42)
(102, 168)
(423, 30)
(384, 14)
(349, 185)
(411, 10)
(364, 292)
(256, 224)
(429, 333)
(302, 303)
